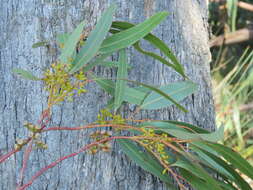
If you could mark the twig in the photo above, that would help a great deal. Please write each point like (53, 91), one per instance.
(25, 160)
(238, 36)
(90, 127)
(244, 107)
(15, 150)
(53, 164)
(9, 154)
(246, 6)
(241, 4)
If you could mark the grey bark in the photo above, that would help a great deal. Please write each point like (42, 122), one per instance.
(28, 21)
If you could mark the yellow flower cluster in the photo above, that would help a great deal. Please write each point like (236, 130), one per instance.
(154, 145)
(33, 128)
(60, 84)
(97, 136)
(19, 144)
(106, 117)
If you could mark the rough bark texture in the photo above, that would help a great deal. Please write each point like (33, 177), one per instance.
(24, 22)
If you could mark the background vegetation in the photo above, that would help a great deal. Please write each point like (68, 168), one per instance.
(231, 22)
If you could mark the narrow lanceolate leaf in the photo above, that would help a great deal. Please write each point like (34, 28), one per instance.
(199, 184)
(144, 160)
(199, 172)
(130, 36)
(106, 84)
(196, 183)
(153, 55)
(185, 134)
(69, 46)
(157, 43)
(40, 44)
(99, 60)
(187, 126)
(25, 74)
(95, 39)
(177, 91)
(212, 137)
(61, 39)
(134, 96)
(207, 161)
(111, 64)
(234, 158)
(221, 166)
(120, 84)
(131, 95)
(161, 93)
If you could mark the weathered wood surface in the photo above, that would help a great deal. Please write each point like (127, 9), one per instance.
(25, 22)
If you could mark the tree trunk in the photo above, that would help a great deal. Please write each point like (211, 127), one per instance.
(26, 22)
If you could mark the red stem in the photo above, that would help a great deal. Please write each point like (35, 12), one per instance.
(90, 126)
(25, 160)
(5, 156)
(45, 115)
(53, 164)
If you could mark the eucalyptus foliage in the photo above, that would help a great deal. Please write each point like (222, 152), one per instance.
(196, 168)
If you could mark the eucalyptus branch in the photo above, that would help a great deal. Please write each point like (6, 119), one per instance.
(53, 164)
(66, 77)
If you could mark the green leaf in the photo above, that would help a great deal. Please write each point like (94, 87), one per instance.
(234, 158)
(110, 104)
(95, 39)
(98, 60)
(130, 36)
(185, 134)
(232, 13)
(153, 55)
(220, 165)
(106, 84)
(187, 125)
(25, 74)
(193, 180)
(144, 160)
(131, 95)
(176, 91)
(211, 137)
(70, 44)
(199, 184)
(157, 43)
(134, 96)
(210, 162)
(40, 44)
(199, 172)
(120, 84)
(161, 93)
(112, 64)
(189, 167)
(62, 38)
(226, 186)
